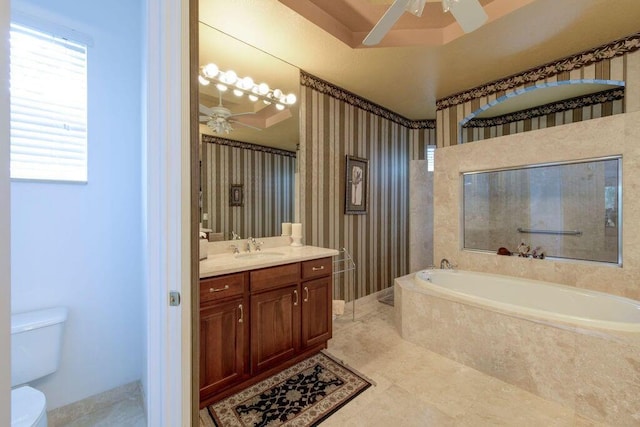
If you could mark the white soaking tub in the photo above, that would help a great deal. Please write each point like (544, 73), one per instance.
(577, 347)
(544, 300)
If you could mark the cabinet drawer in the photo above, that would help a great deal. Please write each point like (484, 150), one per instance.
(217, 288)
(274, 277)
(316, 268)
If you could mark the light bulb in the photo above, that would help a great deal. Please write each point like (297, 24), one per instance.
(277, 93)
(230, 77)
(263, 88)
(266, 102)
(238, 92)
(247, 83)
(253, 98)
(280, 107)
(221, 87)
(203, 81)
(210, 70)
(291, 99)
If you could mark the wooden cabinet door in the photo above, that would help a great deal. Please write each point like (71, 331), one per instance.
(224, 337)
(316, 311)
(275, 327)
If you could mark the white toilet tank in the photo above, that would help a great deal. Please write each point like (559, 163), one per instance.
(36, 340)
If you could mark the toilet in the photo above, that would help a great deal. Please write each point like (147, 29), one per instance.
(36, 340)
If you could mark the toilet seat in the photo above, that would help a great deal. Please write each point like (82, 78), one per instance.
(28, 407)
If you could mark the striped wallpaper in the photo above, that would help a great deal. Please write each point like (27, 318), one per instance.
(335, 123)
(609, 62)
(268, 179)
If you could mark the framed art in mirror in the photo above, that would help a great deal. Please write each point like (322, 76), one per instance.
(236, 195)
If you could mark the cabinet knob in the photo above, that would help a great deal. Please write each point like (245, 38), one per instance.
(306, 294)
(241, 314)
(295, 294)
(219, 289)
(317, 268)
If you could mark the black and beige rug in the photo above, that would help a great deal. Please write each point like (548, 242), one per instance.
(302, 395)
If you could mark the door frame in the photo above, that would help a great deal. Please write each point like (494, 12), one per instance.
(167, 186)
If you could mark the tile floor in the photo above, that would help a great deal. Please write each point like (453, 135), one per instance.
(413, 387)
(416, 387)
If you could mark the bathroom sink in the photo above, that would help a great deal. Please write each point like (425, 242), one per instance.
(258, 255)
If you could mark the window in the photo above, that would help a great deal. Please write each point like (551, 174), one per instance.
(48, 91)
(431, 151)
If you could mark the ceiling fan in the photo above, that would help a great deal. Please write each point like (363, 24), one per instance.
(219, 118)
(469, 14)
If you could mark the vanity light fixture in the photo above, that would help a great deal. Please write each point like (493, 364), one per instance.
(241, 86)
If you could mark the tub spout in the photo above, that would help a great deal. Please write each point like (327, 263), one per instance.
(446, 264)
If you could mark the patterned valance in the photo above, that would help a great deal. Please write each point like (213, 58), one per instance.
(350, 98)
(551, 108)
(580, 60)
(245, 145)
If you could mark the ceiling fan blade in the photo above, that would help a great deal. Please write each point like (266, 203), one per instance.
(469, 14)
(205, 110)
(205, 118)
(236, 122)
(386, 22)
(248, 113)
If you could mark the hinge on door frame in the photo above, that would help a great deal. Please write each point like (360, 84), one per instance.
(174, 298)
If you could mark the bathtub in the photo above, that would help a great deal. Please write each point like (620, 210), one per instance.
(576, 347)
(541, 300)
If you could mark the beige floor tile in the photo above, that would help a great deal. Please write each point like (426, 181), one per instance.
(126, 413)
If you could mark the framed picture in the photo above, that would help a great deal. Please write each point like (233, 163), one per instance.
(356, 185)
(236, 195)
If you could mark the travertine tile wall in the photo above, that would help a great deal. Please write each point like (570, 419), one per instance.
(615, 135)
(420, 215)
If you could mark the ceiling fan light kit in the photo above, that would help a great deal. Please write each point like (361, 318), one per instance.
(469, 14)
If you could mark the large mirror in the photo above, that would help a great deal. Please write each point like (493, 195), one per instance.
(248, 169)
(569, 210)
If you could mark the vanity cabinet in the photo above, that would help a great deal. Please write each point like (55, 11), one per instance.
(316, 292)
(224, 333)
(282, 315)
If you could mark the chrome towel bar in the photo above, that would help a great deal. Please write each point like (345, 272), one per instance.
(557, 232)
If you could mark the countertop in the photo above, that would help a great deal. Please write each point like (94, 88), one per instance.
(218, 264)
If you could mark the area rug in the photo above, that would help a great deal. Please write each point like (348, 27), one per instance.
(302, 395)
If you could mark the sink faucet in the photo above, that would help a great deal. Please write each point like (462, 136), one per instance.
(235, 236)
(445, 264)
(251, 241)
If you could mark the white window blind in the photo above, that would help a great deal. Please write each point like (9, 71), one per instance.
(48, 91)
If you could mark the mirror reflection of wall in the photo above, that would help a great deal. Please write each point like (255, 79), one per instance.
(247, 189)
(258, 153)
(568, 210)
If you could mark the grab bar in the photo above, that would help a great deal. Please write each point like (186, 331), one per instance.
(558, 232)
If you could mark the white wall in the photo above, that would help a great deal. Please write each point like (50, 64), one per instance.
(81, 245)
(5, 273)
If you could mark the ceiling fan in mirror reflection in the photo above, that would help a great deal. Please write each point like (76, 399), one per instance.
(219, 118)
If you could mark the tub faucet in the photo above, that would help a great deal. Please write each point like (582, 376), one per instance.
(445, 264)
